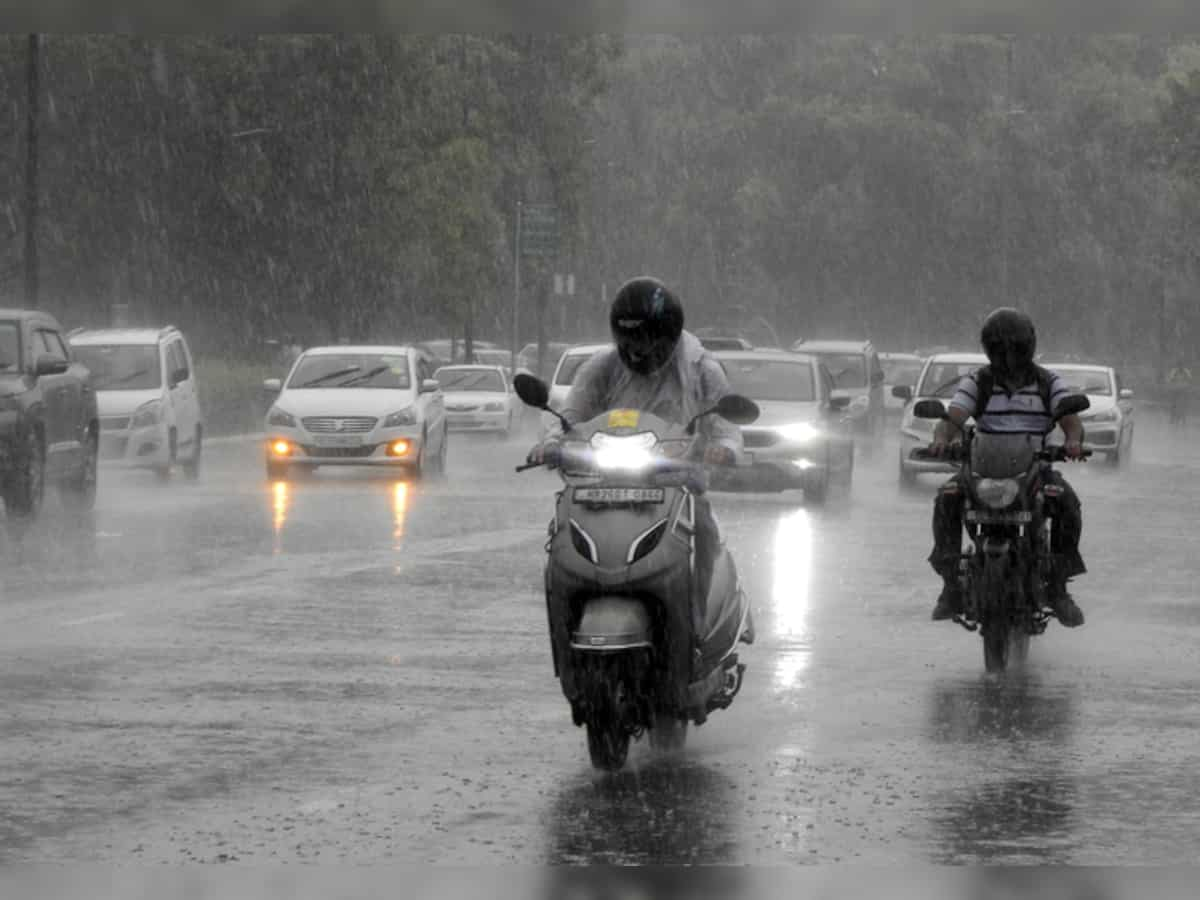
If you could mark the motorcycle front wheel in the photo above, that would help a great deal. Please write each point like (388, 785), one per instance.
(996, 628)
(608, 732)
(668, 733)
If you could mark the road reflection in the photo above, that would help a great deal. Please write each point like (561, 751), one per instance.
(665, 812)
(399, 512)
(280, 504)
(791, 583)
(1026, 816)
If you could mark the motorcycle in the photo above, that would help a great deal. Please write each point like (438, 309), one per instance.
(1008, 511)
(635, 648)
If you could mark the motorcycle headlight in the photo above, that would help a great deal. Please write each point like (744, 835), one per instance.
(282, 419)
(998, 493)
(407, 416)
(1108, 415)
(619, 452)
(493, 407)
(799, 432)
(148, 414)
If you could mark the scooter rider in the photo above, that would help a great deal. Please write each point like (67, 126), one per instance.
(1020, 397)
(658, 368)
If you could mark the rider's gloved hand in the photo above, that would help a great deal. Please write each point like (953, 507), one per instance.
(938, 448)
(547, 453)
(1073, 450)
(716, 455)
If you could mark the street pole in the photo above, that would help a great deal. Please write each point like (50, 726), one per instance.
(31, 174)
(516, 290)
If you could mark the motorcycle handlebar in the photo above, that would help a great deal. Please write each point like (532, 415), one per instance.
(955, 453)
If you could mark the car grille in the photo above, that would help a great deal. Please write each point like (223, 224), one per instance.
(759, 438)
(339, 424)
(339, 452)
(470, 407)
(114, 423)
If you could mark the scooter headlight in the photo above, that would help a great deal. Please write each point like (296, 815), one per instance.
(626, 453)
(801, 432)
(998, 493)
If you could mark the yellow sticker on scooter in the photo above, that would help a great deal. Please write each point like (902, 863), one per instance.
(624, 418)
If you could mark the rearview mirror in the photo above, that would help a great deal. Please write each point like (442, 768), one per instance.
(737, 409)
(50, 365)
(1126, 394)
(839, 402)
(430, 386)
(1071, 405)
(532, 390)
(274, 385)
(902, 392)
(930, 409)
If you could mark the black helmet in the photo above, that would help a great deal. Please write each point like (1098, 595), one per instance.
(646, 321)
(1010, 342)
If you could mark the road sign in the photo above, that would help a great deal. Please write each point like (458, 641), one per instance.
(540, 233)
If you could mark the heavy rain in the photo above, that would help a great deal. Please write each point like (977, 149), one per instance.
(300, 564)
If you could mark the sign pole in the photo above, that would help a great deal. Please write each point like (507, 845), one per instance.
(516, 290)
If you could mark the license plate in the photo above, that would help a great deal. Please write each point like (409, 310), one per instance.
(619, 495)
(989, 518)
(338, 440)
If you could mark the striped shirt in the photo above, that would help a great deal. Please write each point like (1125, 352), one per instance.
(1021, 412)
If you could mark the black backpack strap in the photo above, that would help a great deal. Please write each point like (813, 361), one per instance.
(1045, 381)
(984, 383)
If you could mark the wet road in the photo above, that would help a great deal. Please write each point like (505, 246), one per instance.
(353, 668)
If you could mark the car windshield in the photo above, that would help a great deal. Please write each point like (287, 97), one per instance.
(1087, 381)
(769, 380)
(357, 370)
(121, 367)
(470, 380)
(941, 379)
(849, 370)
(570, 365)
(10, 346)
(901, 371)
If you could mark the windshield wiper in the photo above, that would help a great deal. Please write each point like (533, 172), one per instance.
(365, 376)
(328, 376)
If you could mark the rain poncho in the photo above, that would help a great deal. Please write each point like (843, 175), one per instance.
(691, 383)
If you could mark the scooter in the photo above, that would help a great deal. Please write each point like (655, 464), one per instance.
(1008, 512)
(635, 648)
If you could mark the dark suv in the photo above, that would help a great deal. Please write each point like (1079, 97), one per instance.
(49, 426)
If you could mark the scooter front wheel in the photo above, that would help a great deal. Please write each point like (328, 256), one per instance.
(668, 733)
(608, 742)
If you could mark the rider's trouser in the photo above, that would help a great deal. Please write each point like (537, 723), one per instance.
(1065, 529)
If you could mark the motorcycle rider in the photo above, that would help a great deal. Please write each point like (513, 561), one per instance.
(1019, 390)
(657, 367)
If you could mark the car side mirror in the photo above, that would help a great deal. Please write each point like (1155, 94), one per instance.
(1071, 405)
(930, 409)
(50, 365)
(430, 386)
(179, 376)
(1126, 394)
(902, 392)
(839, 402)
(274, 385)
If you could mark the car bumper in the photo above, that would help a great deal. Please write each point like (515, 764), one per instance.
(135, 448)
(371, 450)
(781, 467)
(477, 421)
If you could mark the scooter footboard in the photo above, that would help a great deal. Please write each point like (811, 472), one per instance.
(613, 623)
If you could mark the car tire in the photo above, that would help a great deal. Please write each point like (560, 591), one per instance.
(908, 478)
(191, 468)
(78, 492)
(443, 450)
(418, 470)
(165, 470)
(816, 489)
(25, 486)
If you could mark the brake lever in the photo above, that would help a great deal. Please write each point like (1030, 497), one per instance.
(528, 466)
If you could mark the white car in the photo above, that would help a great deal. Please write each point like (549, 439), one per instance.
(800, 440)
(478, 398)
(145, 384)
(939, 381)
(899, 369)
(358, 406)
(1108, 422)
(564, 376)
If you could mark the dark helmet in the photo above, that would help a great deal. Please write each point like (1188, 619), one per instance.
(646, 321)
(1010, 342)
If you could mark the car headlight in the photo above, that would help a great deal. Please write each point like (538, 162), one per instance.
(800, 432)
(862, 401)
(997, 493)
(629, 453)
(1108, 415)
(406, 416)
(148, 414)
(279, 418)
(493, 407)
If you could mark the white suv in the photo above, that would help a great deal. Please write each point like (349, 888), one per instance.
(145, 386)
(358, 406)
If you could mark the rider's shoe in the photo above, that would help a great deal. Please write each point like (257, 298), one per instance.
(949, 604)
(1068, 613)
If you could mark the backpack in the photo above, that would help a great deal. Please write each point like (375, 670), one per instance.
(985, 382)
